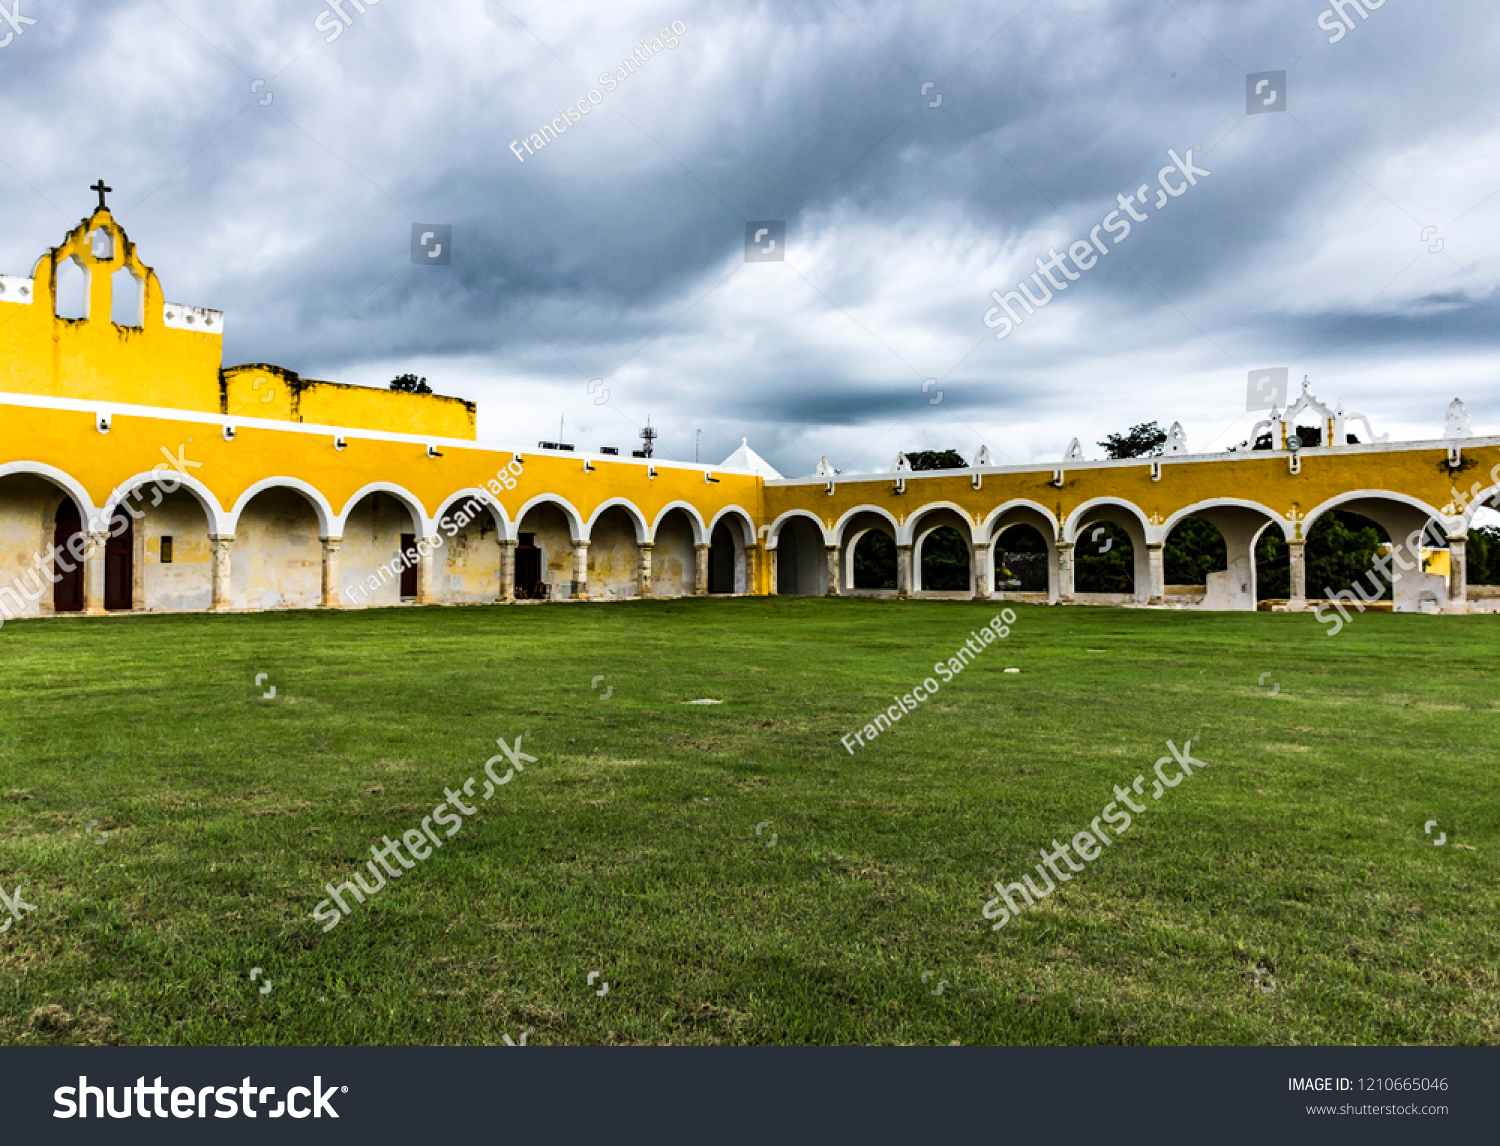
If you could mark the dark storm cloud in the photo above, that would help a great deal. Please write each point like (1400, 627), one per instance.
(617, 250)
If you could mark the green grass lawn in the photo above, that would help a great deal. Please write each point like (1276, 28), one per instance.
(1286, 894)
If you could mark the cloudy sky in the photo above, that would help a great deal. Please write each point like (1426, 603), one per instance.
(1353, 237)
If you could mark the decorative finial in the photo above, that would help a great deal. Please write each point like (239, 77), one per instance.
(101, 188)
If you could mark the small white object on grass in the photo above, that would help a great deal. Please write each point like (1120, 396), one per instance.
(1012, 670)
(702, 702)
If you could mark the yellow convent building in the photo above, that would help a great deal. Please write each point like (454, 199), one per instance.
(137, 473)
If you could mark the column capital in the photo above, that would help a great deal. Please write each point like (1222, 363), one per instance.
(702, 545)
(645, 545)
(223, 538)
(506, 542)
(328, 542)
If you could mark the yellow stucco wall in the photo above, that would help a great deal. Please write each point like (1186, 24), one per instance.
(175, 366)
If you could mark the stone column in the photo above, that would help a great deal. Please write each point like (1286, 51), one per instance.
(984, 573)
(903, 571)
(750, 566)
(221, 544)
(643, 569)
(1065, 572)
(580, 570)
(1458, 574)
(1156, 571)
(700, 570)
(426, 572)
(831, 552)
(93, 575)
(771, 573)
(507, 570)
(1298, 601)
(332, 597)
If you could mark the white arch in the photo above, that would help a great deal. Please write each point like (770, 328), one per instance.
(838, 526)
(700, 534)
(329, 523)
(908, 532)
(420, 521)
(486, 499)
(1272, 517)
(576, 526)
(209, 503)
(747, 523)
(1075, 520)
(1479, 502)
(773, 531)
(87, 511)
(643, 531)
(988, 524)
(1377, 495)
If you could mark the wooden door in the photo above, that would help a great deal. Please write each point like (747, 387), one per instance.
(528, 569)
(119, 564)
(67, 591)
(408, 572)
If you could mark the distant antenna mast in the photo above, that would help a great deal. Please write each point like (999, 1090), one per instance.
(648, 438)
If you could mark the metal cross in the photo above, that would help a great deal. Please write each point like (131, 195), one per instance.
(101, 188)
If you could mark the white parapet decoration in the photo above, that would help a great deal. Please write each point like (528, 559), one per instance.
(1075, 452)
(1458, 421)
(199, 318)
(1176, 439)
(17, 289)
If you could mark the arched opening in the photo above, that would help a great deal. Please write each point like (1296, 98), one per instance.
(1343, 544)
(102, 244)
(67, 568)
(801, 562)
(379, 552)
(725, 559)
(176, 560)
(127, 298)
(1022, 561)
(1104, 565)
(874, 566)
(544, 554)
(1210, 558)
(278, 559)
(614, 555)
(72, 289)
(867, 555)
(674, 561)
(944, 561)
(35, 514)
(470, 562)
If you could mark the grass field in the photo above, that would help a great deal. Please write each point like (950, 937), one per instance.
(1285, 894)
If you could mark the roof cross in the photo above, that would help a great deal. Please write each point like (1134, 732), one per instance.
(101, 188)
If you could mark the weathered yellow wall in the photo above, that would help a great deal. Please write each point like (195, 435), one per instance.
(157, 364)
(1263, 478)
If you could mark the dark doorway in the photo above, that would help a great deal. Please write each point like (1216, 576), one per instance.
(721, 561)
(67, 590)
(529, 568)
(875, 561)
(408, 567)
(119, 564)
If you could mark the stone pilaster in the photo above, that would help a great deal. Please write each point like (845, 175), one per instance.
(332, 598)
(222, 545)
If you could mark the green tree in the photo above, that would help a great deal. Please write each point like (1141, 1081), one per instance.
(945, 560)
(410, 384)
(1193, 551)
(1340, 550)
(936, 460)
(1143, 441)
(875, 561)
(1484, 556)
